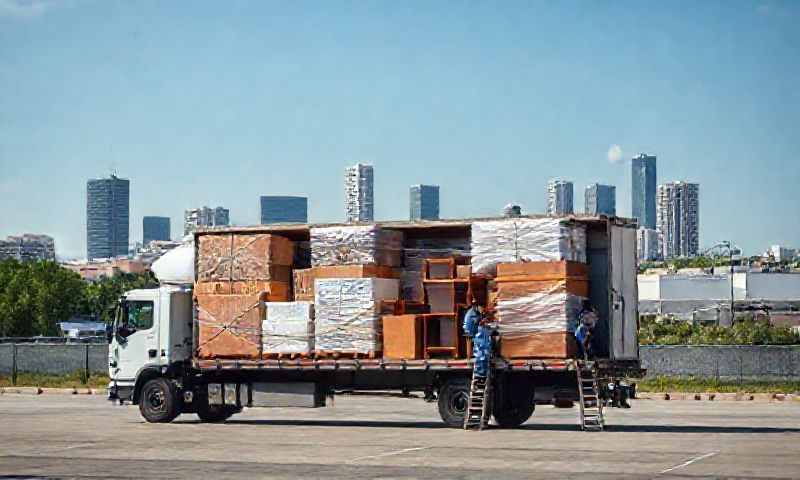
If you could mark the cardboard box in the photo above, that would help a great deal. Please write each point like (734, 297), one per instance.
(303, 284)
(402, 337)
(356, 271)
(238, 257)
(507, 290)
(539, 345)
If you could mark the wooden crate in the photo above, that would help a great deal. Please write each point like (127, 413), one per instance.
(439, 268)
(514, 289)
(539, 345)
(402, 337)
(229, 326)
(543, 270)
(356, 271)
(274, 291)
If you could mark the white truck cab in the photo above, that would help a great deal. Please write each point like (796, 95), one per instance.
(152, 330)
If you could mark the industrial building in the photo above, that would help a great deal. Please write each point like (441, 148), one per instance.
(600, 200)
(643, 190)
(359, 193)
(28, 247)
(424, 202)
(283, 209)
(205, 217)
(155, 228)
(559, 197)
(107, 217)
(678, 219)
(709, 297)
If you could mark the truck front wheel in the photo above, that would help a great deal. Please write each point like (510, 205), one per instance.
(158, 402)
(453, 401)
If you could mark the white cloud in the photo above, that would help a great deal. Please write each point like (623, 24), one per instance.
(614, 153)
(25, 8)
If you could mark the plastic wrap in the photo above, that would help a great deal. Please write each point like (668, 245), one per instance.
(525, 239)
(347, 312)
(229, 325)
(542, 312)
(356, 245)
(246, 256)
(176, 266)
(288, 328)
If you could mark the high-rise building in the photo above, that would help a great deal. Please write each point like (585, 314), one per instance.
(28, 246)
(678, 219)
(359, 193)
(600, 200)
(559, 197)
(648, 244)
(782, 254)
(643, 190)
(155, 228)
(283, 209)
(424, 202)
(204, 217)
(107, 217)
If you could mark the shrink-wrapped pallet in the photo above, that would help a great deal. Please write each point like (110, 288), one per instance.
(229, 326)
(347, 313)
(244, 256)
(288, 328)
(525, 239)
(356, 245)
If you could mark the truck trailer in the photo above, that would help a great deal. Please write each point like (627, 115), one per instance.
(158, 359)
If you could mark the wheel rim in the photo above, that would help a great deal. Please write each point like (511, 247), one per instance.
(155, 400)
(458, 402)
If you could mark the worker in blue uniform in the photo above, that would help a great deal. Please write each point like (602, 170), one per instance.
(475, 326)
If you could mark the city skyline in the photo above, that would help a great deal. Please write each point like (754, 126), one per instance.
(720, 115)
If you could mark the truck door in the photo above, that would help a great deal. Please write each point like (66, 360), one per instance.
(135, 338)
(624, 301)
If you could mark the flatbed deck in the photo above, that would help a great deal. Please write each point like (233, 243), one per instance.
(629, 368)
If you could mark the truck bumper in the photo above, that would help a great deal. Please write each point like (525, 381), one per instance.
(120, 391)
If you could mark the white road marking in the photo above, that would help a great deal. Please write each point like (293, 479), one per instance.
(388, 454)
(689, 462)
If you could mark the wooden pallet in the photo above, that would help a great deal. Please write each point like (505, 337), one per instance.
(286, 356)
(335, 354)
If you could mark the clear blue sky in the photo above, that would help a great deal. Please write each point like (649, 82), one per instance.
(217, 103)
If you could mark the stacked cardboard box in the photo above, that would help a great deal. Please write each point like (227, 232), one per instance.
(347, 312)
(536, 305)
(525, 240)
(288, 328)
(236, 274)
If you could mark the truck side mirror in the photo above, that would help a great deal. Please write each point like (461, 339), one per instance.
(109, 333)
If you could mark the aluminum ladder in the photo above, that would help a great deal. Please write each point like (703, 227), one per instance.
(478, 406)
(591, 406)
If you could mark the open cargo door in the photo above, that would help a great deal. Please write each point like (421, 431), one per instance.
(623, 294)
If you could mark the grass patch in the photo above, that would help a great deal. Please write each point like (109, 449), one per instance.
(71, 380)
(697, 385)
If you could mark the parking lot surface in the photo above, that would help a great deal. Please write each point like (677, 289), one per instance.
(388, 437)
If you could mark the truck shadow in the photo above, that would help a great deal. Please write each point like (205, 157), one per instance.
(666, 428)
(531, 427)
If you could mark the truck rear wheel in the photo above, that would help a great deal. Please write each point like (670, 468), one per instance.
(214, 413)
(514, 402)
(158, 402)
(453, 401)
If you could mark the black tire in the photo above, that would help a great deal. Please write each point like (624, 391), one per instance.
(514, 402)
(214, 413)
(453, 401)
(158, 402)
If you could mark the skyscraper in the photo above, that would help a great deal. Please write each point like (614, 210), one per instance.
(107, 217)
(679, 219)
(358, 189)
(648, 244)
(204, 217)
(643, 190)
(155, 228)
(600, 199)
(283, 209)
(424, 202)
(559, 197)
